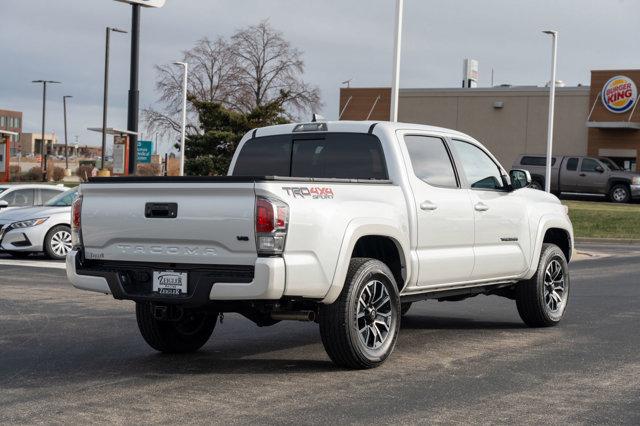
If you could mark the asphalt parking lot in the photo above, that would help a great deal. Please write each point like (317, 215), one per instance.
(68, 356)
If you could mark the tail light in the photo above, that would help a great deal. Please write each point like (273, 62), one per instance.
(272, 221)
(76, 223)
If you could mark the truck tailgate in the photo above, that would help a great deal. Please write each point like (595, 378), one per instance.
(213, 223)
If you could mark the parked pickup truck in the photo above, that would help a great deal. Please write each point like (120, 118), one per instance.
(583, 175)
(342, 223)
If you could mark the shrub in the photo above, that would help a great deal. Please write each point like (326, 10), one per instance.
(84, 172)
(149, 170)
(57, 174)
(33, 175)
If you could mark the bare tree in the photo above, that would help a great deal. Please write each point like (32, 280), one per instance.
(255, 67)
(267, 66)
(211, 70)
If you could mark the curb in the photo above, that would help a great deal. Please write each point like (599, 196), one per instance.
(620, 241)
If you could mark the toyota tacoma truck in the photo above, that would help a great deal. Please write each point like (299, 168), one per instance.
(342, 223)
(583, 175)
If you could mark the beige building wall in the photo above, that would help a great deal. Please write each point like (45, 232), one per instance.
(28, 142)
(518, 127)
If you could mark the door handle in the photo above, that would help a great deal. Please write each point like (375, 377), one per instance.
(582, 175)
(428, 205)
(481, 207)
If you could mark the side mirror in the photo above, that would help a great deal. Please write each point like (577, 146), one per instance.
(599, 169)
(4, 204)
(520, 178)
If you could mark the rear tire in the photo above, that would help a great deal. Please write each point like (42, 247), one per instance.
(188, 334)
(542, 300)
(620, 194)
(359, 330)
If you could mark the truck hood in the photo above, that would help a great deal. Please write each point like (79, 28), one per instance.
(27, 213)
(624, 174)
(538, 196)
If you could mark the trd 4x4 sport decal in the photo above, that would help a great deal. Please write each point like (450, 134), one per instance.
(315, 193)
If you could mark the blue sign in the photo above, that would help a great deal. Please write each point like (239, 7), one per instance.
(145, 149)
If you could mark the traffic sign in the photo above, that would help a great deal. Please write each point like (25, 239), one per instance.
(145, 149)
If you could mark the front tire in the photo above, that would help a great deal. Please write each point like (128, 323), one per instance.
(359, 330)
(57, 243)
(536, 184)
(188, 334)
(542, 300)
(620, 194)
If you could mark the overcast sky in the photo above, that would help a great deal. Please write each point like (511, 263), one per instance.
(341, 39)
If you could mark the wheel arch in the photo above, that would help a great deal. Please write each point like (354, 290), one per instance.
(382, 241)
(555, 229)
(617, 181)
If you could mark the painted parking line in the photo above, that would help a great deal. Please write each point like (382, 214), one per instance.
(33, 263)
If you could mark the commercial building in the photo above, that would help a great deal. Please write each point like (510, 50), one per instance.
(31, 143)
(597, 120)
(12, 122)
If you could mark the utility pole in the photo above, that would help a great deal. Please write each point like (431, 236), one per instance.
(43, 150)
(552, 98)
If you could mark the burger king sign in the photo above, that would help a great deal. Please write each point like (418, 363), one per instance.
(619, 94)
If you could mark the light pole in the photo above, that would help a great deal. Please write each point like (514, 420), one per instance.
(105, 98)
(184, 113)
(397, 54)
(67, 172)
(134, 93)
(43, 160)
(552, 99)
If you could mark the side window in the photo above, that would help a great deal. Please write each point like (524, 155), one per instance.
(430, 160)
(47, 194)
(589, 165)
(20, 198)
(480, 170)
(572, 164)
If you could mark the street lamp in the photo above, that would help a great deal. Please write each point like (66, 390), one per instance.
(103, 170)
(44, 115)
(397, 53)
(134, 93)
(184, 114)
(552, 99)
(67, 172)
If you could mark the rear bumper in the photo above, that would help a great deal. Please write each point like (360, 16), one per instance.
(635, 191)
(131, 281)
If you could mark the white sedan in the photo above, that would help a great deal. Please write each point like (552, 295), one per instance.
(39, 229)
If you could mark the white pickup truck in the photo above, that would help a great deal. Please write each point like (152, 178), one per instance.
(342, 223)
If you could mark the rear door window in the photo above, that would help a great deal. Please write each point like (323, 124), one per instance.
(530, 160)
(20, 198)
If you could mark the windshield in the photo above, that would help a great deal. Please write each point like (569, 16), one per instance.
(610, 164)
(63, 200)
(2, 189)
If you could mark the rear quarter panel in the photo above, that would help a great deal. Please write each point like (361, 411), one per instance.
(320, 225)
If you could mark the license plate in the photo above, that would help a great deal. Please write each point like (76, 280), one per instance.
(170, 282)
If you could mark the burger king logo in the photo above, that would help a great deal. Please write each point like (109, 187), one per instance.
(619, 94)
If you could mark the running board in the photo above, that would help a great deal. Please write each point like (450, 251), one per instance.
(459, 293)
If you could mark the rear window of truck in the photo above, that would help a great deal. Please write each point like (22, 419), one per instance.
(326, 156)
(536, 161)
